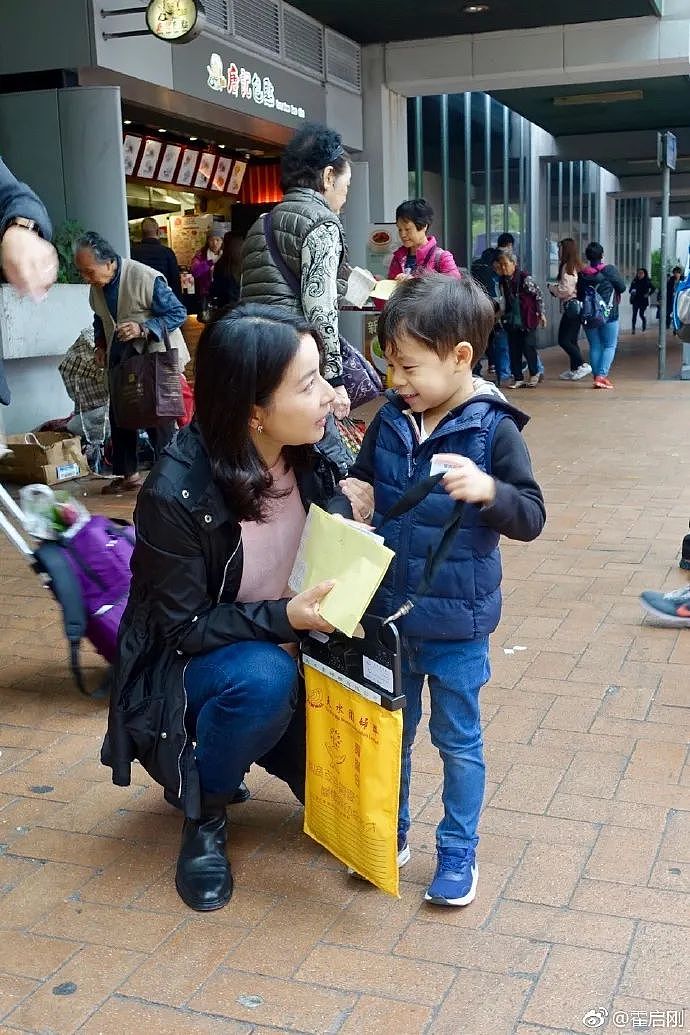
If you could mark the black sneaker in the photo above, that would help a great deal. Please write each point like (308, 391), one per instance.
(685, 554)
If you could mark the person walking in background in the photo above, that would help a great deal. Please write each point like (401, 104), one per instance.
(27, 258)
(506, 243)
(419, 252)
(203, 263)
(152, 252)
(565, 289)
(640, 291)
(523, 314)
(599, 287)
(672, 282)
(132, 306)
(227, 272)
(484, 271)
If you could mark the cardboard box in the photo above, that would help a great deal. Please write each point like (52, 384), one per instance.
(46, 457)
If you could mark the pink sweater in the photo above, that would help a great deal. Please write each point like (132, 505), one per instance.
(270, 547)
(427, 260)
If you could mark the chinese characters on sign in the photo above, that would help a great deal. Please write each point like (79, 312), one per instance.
(247, 86)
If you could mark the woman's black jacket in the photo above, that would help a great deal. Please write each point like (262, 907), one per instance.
(186, 572)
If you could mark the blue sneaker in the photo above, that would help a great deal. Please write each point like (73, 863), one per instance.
(455, 880)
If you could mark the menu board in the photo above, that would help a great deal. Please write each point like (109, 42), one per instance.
(187, 234)
(171, 157)
(131, 148)
(149, 159)
(204, 173)
(235, 182)
(185, 174)
(220, 177)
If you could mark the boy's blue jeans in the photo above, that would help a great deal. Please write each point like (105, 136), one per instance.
(244, 706)
(457, 670)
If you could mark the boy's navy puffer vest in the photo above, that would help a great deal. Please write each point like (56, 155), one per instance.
(464, 601)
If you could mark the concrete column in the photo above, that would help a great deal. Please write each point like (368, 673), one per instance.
(385, 137)
(67, 144)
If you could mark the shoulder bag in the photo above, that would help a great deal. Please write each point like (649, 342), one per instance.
(145, 388)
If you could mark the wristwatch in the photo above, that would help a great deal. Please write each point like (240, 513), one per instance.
(27, 224)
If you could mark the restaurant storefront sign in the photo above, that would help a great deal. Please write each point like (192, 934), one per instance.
(208, 70)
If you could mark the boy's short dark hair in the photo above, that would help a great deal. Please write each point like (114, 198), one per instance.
(417, 211)
(505, 241)
(594, 253)
(439, 312)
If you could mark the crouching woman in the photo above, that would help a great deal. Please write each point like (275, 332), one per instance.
(206, 681)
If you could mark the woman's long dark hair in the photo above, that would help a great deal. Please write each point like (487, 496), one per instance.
(241, 361)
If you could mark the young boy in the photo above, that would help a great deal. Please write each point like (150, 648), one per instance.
(434, 330)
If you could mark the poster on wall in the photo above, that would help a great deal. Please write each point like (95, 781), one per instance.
(187, 234)
(185, 174)
(220, 176)
(235, 182)
(149, 159)
(131, 147)
(381, 243)
(169, 161)
(204, 173)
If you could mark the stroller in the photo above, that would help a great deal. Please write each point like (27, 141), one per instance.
(83, 560)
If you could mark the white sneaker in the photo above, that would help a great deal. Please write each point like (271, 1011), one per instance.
(404, 856)
(535, 380)
(518, 384)
(581, 372)
(567, 375)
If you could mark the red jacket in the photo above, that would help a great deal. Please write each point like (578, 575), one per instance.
(430, 258)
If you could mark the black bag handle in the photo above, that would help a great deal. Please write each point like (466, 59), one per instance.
(437, 555)
(286, 273)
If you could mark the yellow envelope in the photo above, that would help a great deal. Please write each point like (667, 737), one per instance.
(353, 778)
(331, 548)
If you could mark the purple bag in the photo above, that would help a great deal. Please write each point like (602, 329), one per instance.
(99, 555)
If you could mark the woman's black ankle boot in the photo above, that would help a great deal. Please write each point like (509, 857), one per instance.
(203, 878)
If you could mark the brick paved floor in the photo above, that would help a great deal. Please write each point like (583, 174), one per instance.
(585, 850)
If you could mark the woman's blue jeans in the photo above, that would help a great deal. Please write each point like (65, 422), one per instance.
(245, 705)
(457, 670)
(602, 347)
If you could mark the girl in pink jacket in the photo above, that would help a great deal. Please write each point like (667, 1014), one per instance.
(419, 253)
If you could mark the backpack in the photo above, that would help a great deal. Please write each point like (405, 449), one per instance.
(483, 272)
(89, 577)
(595, 309)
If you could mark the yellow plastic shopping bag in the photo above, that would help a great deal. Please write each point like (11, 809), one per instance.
(354, 737)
